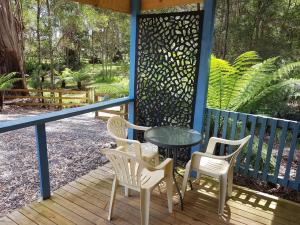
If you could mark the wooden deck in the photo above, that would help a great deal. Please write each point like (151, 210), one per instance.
(85, 202)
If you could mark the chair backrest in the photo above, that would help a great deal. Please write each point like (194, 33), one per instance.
(128, 169)
(118, 128)
(235, 154)
(232, 157)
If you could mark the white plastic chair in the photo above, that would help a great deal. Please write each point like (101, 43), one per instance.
(118, 128)
(135, 174)
(219, 167)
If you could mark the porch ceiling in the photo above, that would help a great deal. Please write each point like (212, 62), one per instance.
(124, 5)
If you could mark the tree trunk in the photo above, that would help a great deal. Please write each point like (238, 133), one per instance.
(1, 100)
(11, 41)
(226, 28)
(79, 86)
(50, 34)
(38, 36)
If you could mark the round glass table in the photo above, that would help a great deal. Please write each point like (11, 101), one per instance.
(173, 138)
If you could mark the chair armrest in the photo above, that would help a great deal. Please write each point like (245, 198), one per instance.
(105, 150)
(203, 154)
(228, 142)
(166, 165)
(129, 141)
(136, 127)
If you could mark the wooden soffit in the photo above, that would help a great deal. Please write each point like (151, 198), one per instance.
(124, 5)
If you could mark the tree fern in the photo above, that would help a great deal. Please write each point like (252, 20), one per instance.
(247, 83)
(7, 81)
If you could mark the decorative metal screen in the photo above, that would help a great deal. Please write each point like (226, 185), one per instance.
(168, 49)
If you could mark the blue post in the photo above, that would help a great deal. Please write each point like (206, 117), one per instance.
(202, 83)
(135, 10)
(42, 157)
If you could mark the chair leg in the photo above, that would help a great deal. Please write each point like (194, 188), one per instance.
(230, 181)
(222, 193)
(112, 197)
(126, 191)
(169, 183)
(185, 178)
(145, 206)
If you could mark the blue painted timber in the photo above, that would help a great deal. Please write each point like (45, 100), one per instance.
(293, 146)
(282, 143)
(135, 10)
(42, 157)
(253, 120)
(234, 117)
(273, 128)
(243, 119)
(53, 116)
(262, 147)
(204, 66)
(225, 115)
(260, 144)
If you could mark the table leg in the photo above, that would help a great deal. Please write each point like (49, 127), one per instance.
(174, 178)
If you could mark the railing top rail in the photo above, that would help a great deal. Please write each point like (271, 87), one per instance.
(253, 115)
(57, 115)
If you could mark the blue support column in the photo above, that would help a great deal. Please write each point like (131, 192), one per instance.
(135, 10)
(205, 54)
(42, 157)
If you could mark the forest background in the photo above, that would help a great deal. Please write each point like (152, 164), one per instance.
(63, 44)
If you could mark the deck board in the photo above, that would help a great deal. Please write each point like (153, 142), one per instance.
(85, 202)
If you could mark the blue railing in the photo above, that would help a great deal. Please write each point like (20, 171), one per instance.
(39, 122)
(271, 154)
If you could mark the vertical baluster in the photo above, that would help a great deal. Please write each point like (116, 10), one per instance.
(243, 118)
(295, 132)
(273, 124)
(253, 120)
(297, 179)
(42, 157)
(284, 125)
(263, 122)
(217, 118)
(207, 128)
(224, 132)
(234, 116)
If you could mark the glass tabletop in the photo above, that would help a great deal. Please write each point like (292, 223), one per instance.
(172, 136)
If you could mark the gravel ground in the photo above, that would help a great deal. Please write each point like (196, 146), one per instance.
(73, 150)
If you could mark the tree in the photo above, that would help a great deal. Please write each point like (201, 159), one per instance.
(11, 41)
(50, 43)
(249, 86)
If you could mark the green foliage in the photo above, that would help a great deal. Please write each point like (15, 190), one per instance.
(227, 80)
(78, 77)
(7, 81)
(247, 85)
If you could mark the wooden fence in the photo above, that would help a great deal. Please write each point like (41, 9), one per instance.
(50, 98)
(60, 98)
(121, 111)
(273, 153)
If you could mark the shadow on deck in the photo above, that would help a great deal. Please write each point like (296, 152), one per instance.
(85, 202)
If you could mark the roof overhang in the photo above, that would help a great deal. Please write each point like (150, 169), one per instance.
(124, 5)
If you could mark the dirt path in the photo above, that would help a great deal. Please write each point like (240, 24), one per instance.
(73, 149)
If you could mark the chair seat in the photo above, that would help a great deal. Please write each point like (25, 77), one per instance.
(149, 151)
(150, 179)
(213, 167)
